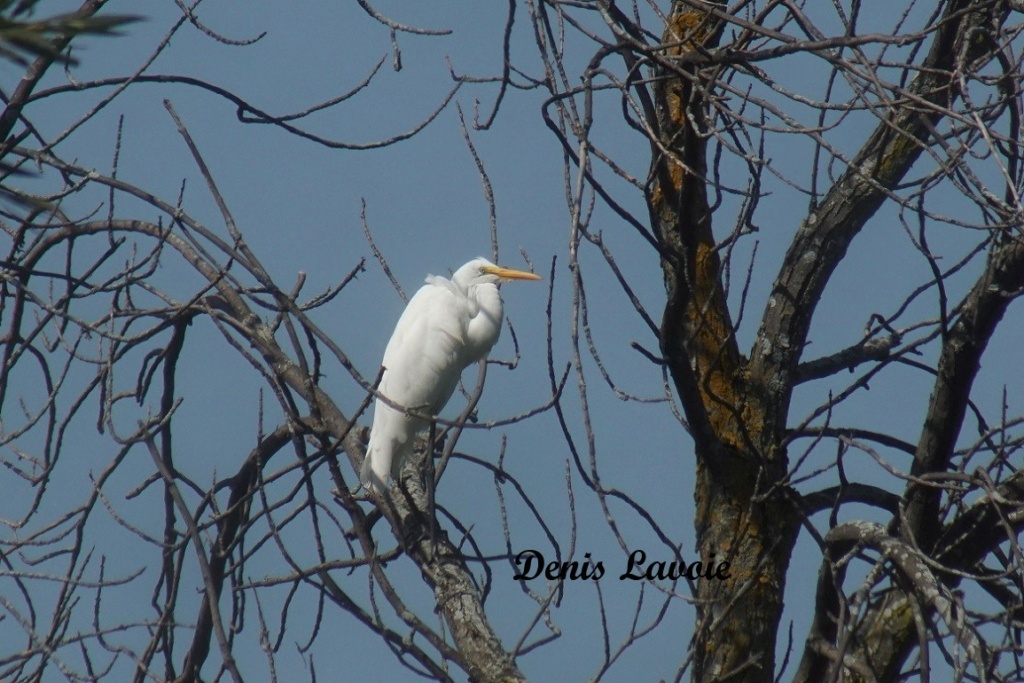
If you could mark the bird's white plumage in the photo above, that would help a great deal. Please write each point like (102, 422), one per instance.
(447, 326)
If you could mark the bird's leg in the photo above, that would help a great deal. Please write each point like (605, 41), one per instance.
(413, 524)
(413, 486)
(439, 441)
(429, 482)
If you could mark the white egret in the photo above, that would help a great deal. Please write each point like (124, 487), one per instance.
(447, 326)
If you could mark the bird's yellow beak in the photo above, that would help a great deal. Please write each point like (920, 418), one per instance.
(509, 274)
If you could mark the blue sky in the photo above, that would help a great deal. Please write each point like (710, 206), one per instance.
(299, 206)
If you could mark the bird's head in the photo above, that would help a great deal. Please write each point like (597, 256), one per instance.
(480, 271)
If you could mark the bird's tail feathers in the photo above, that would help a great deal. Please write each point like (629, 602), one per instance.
(369, 476)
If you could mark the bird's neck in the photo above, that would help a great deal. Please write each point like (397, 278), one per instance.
(487, 300)
(485, 320)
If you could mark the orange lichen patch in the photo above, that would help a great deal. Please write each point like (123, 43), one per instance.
(678, 199)
(688, 29)
(719, 368)
(678, 115)
(676, 174)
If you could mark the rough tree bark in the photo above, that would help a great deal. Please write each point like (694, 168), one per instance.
(737, 410)
(742, 516)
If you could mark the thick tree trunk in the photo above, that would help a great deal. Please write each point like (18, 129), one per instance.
(738, 409)
(742, 517)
